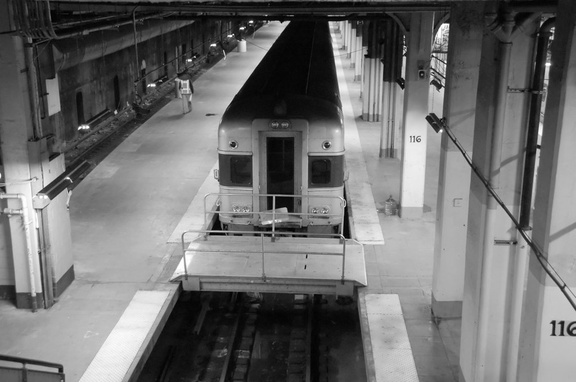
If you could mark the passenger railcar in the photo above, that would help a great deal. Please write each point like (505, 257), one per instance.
(281, 139)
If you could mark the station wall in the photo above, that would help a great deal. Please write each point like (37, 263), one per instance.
(96, 83)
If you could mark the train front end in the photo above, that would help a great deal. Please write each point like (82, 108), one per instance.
(280, 169)
(281, 140)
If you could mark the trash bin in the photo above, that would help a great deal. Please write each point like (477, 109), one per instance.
(242, 46)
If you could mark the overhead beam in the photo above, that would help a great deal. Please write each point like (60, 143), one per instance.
(275, 8)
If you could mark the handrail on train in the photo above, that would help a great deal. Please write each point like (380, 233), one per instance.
(26, 361)
(272, 235)
(273, 211)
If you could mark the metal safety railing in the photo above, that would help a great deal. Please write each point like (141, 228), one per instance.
(23, 372)
(266, 247)
(275, 215)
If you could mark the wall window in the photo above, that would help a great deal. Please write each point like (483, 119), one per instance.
(116, 93)
(80, 108)
(165, 64)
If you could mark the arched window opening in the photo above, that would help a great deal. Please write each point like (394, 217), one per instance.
(80, 108)
(116, 92)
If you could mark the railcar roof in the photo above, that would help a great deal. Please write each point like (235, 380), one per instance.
(300, 62)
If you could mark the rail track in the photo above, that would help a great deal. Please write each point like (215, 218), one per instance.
(220, 337)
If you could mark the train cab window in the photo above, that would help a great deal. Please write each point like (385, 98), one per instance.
(325, 171)
(320, 171)
(235, 170)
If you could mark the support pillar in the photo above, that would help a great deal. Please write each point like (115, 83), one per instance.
(344, 25)
(372, 75)
(415, 110)
(359, 53)
(36, 262)
(466, 32)
(548, 341)
(392, 92)
(493, 250)
(16, 129)
(350, 53)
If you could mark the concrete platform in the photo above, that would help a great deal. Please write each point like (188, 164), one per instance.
(133, 336)
(388, 354)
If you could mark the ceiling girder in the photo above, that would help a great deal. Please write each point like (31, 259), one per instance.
(54, 19)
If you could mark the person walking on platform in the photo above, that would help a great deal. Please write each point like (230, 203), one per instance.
(187, 90)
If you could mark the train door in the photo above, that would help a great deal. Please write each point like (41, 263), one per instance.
(281, 159)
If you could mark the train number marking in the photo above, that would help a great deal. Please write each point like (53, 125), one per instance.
(415, 138)
(562, 329)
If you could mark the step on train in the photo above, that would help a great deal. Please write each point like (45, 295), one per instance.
(281, 140)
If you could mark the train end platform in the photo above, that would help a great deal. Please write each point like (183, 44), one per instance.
(272, 264)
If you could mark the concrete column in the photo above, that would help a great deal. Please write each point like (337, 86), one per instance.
(16, 129)
(489, 327)
(466, 31)
(36, 261)
(344, 31)
(372, 75)
(548, 343)
(392, 94)
(372, 85)
(359, 53)
(415, 110)
(347, 40)
(350, 53)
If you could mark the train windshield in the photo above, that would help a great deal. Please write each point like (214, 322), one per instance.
(325, 171)
(235, 170)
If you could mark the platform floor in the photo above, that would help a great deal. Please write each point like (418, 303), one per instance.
(125, 215)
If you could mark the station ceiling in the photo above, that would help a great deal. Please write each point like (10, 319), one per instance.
(50, 19)
(275, 8)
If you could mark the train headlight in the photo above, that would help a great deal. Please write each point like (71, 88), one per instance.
(326, 145)
(241, 208)
(320, 210)
(233, 144)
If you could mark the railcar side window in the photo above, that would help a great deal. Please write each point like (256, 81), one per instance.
(235, 170)
(325, 171)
